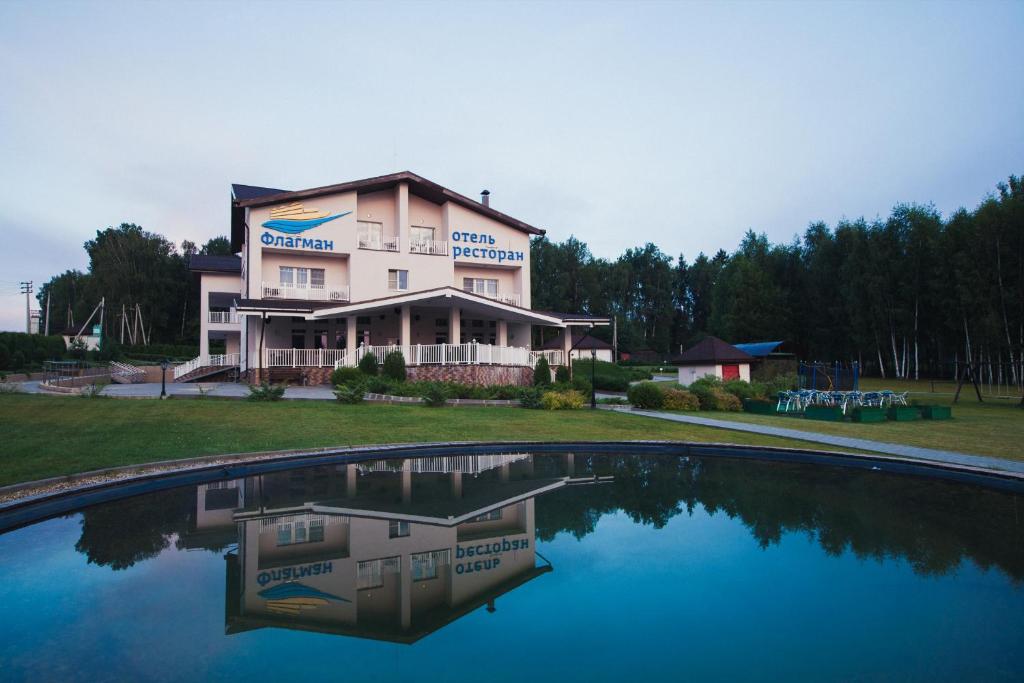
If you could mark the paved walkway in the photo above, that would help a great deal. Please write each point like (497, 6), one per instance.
(901, 450)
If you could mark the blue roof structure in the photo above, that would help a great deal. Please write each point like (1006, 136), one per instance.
(759, 349)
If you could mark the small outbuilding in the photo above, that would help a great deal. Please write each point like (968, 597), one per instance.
(582, 346)
(712, 356)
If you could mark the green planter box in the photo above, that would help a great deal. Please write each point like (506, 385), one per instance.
(904, 413)
(759, 407)
(869, 415)
(936, 412)
(827, 413)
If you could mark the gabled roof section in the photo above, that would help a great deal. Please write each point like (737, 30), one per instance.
(712, 350)
(579, 342)
(215, 264)
(249, 196)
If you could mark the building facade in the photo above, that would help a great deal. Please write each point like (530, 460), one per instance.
(325, 275)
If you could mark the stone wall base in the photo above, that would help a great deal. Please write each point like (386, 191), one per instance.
(474, 375)
(293, 376)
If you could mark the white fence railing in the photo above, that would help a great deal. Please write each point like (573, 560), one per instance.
(444, 464)
(505, 298)
(429, 247)
(223, 317)
(307, 292)
(213, 360)
(414, 354)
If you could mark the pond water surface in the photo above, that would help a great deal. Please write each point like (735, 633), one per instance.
(525, 567)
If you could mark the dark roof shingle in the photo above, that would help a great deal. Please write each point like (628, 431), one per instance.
(215, 264)
(712, 350)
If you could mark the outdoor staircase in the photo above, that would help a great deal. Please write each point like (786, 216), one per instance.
(204, 367)
(123, 373)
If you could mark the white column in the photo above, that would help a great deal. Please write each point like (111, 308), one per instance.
(402, 216)
(454, 325)
(405, 332)
(204, 341)
(566, 345)
(350, 338)
(502, 333)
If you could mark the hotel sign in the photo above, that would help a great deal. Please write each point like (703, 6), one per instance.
(293, 219)
(486, 249)
(492, 553)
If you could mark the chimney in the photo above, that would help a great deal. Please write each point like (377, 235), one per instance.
(485, 197)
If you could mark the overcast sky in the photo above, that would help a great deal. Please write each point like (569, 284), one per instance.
(621, 123)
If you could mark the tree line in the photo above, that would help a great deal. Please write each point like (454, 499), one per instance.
(909, 295)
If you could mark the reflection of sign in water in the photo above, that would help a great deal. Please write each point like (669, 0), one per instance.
(293, 597)
(292, 573)
(293, 219)
(492, 552)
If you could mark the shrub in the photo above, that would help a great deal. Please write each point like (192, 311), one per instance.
(394, 366)
(613, 401)
(726, 401)
(530, 398)
(266, 392)
(5, 356)
(679, 399)
(562, 400)
(341, 376)
(434, 394)
(542, 373)
(646, 395)
(382, 385)
(608, 376)
(17, 360)
(368, 365)
(741, 389)
(781, 383)
(581, 384)
(350, 393)
(562, 374)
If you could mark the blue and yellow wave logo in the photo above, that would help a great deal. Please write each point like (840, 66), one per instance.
(293, 218)
(293, 598)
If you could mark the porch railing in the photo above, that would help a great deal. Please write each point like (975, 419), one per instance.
(378, 243)
(429, 247)
(212, 360)
(505, 298)
(307, 292)
(303, 358)
(415, 354)
(223, 317)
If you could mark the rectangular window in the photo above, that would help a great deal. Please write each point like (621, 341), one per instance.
(425, 565)
(371, 235)
(316, 531)
(316, 277)
(319, 339)
(419, 235)
(397, 529)
(398, 280)
(371, 573)
(298, 339)
(492, 516)
(287, 275)
(480, 285)
(284, 534)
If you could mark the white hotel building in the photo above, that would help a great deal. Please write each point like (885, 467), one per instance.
(322, 276)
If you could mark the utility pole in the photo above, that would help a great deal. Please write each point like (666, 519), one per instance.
(26, 289)
(46, 329)
(615, 339)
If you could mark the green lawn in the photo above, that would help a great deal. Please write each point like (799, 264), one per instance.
(45, 436)
(995, 427)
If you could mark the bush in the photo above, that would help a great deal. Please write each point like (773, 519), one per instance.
(530, 398)
(608, 376)
(394, 366)
(434, 394)
(613, 401)
(781, 383)
(562, 400)
(350, 393)
(742, 390)
(266, 392)
(581, 384)
(382, 385)
(679, 399)
(368, 365)
(726, 401)
(5, 356)
(542, 373)
(647, 395)
(17, 360)
(345, 375)
(562, 374)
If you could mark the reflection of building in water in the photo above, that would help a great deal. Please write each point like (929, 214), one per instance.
(389, 549)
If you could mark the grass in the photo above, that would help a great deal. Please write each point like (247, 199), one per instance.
(994, 428)
(45, 436)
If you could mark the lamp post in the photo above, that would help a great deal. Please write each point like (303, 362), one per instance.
(164, 364)
(593, 390)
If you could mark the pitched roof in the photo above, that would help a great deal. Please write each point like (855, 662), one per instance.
(579, 342)
(759, 349)
(215, 264)
(246, 196)
(712, 350)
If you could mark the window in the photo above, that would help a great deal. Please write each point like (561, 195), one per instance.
(316, 277)
(319, 339)
(398, 280)
(492, 516)
(287, 275)
(301, 277)
(424, 565)
(419, 235)
(298, 339)
(301, 531)
(370, 573)
(398, 529)
(480, 285)
(371, 235)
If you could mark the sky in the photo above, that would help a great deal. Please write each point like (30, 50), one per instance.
(682, 124)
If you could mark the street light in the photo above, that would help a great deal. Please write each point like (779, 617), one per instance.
(164, 364)
(593, 391)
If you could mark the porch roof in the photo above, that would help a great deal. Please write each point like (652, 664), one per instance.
(442, 297)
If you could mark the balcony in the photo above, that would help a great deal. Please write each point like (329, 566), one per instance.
(506, 298)
(305, 292)
(223, 317)
(415, 354)
(378, 243)
(437, 247)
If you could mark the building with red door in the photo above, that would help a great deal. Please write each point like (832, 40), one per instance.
(714, 357)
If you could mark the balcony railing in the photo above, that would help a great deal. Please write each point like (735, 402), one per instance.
(415, 354)
(439, 247)
(306, 292)
(230, 317)
(378, 243)
(506, 298)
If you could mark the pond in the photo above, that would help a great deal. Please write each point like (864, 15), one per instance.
(517, 566)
